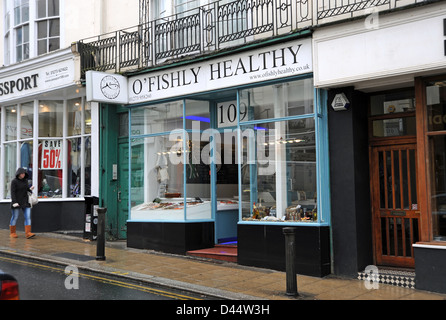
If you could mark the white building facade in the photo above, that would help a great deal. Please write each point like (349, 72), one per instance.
(47, 126)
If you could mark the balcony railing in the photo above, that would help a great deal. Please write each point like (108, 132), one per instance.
(216, 26)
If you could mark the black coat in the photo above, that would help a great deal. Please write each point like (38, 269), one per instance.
(19, 190)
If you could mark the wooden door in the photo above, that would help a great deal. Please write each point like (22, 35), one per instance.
(396, 216)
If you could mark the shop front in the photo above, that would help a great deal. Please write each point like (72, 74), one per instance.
(232, 148)
(394, 128)
(47, 128)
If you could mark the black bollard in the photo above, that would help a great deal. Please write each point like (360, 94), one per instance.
(290, 253)
(100, 248)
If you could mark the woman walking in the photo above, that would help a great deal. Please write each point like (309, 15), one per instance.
(19, 197)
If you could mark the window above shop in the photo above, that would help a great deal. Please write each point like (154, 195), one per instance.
(32, 28)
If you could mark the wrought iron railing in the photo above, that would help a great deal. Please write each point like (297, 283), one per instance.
(215, 26)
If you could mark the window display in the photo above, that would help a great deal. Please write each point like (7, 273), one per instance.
(279, 172)
(187, 167)
(157, 182)
(280, 184)
(63, 146)
(162, 164)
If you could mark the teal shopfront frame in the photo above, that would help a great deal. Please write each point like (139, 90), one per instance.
(319, 115)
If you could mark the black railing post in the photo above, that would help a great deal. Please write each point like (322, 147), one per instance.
(100, 245)
(290, 254)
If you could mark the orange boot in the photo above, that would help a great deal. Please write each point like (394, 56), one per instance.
(28, 232)
(12, 232)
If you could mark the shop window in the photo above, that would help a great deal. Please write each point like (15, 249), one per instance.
(50, 168)
(197, 158)
(178, 165)
(10, 159)
(157, 179)
(17, 140)
(165, 175)
(279, 165)
(63, 162)
(436, 112)
(279, 179)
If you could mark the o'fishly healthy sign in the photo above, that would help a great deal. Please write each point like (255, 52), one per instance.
(267, 63)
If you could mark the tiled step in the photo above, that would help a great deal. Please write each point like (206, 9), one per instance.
(395, 277)
(219, 252)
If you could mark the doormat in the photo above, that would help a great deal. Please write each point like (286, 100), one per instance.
(74, 256)
(399, 278)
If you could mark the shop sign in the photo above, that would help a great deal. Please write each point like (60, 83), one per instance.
(36, 81)
(106, 87)
(51, 155)
(267, 63)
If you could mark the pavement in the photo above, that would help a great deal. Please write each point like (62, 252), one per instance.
(218, 279)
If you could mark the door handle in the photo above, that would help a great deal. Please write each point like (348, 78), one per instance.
(119, 196)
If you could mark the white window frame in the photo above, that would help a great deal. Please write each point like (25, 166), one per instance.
(47, 38)
(35, 139)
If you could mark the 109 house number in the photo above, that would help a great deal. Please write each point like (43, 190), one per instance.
(227, 113)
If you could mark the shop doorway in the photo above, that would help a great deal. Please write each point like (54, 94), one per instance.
(114, 184)
(216, 170)
(396, 217)
(395, 201)
(225, 171)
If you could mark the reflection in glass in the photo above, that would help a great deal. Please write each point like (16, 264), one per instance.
(277, 101)
(157, 118)
(75, 184)
(27, 120)
(157, 180)
(394, 127)
(392, 102)
(74, 117)
(11, 123)
(87, 117)
(50, 118)
(10, 154)
(26, 156)
(436, 106)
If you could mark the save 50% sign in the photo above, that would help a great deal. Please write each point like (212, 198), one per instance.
(51, 154)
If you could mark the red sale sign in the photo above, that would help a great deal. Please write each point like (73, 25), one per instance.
(51, 154)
